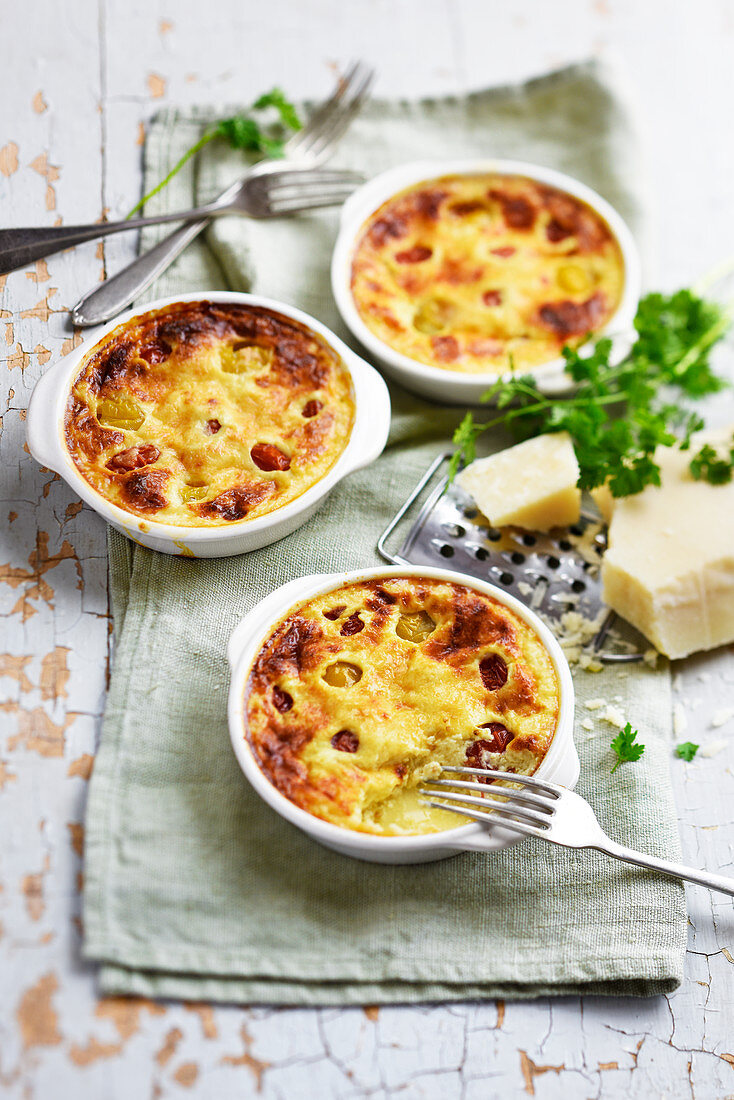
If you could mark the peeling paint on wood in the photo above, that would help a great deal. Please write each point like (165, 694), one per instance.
(187, 1074)
(9, 159)
(36, 1014)
(55, 673)
(50, 173)
(156, 85)
(255, 1065)
(167, 1051)
(82, 766)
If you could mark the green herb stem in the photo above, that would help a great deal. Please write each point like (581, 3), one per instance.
(709, 338)
(241, 132)
(206, 137)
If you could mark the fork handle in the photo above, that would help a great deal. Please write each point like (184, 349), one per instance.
(19, 247)
(676, 870)
(106, 301)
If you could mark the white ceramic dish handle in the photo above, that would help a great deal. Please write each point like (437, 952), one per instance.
(42, 420)
(373, 425)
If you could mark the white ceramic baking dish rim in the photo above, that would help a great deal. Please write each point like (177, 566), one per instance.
(467, 388)
(560, 764)
(45, 431)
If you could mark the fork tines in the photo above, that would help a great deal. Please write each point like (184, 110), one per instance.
(291, 190)
(297, 181)
(528, 811)
(329, 121)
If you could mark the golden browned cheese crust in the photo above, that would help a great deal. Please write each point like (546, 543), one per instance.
(482, 273)
(361, 694)
(201, 414)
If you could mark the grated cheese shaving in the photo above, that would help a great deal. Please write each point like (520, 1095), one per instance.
(680, 722)
(721, 717)
(712, 748)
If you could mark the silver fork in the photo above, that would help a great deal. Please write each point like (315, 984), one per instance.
(260, 195)
(309, 148)
(550, 812)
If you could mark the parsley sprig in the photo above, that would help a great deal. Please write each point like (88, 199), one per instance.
(686, 750)
(621, 411)
(243, 131)
(626, 748)
(713, 466)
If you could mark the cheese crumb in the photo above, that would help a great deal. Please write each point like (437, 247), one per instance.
(713, 748)
(680, 722)
(614, 716)
(595, 704)
(721, 717)
(574, 632)
(587, 724)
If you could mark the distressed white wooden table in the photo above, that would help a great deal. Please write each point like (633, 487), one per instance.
(77, 83)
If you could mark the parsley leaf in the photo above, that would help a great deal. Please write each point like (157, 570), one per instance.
(709, 465)
(625, 746)
(687, 750)
(243, 132)
(286, 110)
(465, 440)
(622, 411)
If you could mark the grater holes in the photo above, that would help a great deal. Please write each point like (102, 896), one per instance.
(564, 544)
(506, 578)
(469, 512)
(493, 534)
(454, 530)
(578, 586)
(445, 549)
(517, 558)
(481, 554)
(552, 562)
(529, 540)
(576, 529)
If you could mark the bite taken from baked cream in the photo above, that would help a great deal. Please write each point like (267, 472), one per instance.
(362, 693)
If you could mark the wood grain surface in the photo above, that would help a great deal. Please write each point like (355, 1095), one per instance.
(78, 82)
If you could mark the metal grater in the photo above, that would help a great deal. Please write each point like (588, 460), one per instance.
(551, 573)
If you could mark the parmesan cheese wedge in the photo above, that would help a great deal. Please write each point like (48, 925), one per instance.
(530, 485)
(669, 568)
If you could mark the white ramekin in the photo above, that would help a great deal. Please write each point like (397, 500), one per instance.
(45, 433)
(448, 386)
(560, 765)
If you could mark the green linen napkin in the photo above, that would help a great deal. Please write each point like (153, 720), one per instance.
(194, 887)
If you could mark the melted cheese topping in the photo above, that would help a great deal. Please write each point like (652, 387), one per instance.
(361, 694)
(485, 273)
(201, 414)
